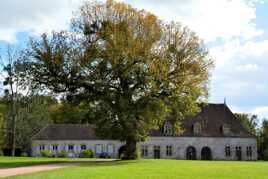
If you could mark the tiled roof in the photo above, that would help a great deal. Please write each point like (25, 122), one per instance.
(212, 117)
(67, 132)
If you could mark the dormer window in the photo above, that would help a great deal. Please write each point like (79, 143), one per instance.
(167, 128)
(226, 129)
(197, 128)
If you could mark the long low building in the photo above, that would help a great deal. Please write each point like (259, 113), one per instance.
(213, 134)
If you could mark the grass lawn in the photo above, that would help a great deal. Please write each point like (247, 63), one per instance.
(10, 162)
(158, 169)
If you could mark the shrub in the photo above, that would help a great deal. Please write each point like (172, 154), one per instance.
(62, 154)
(105, 155)
(24, 154)
(1, 153)
(44, 153)
(86, 153)
(265, 154)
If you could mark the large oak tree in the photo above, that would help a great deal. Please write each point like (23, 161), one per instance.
(131, 69)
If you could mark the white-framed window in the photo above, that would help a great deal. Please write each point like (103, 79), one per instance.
(110, 148)
(98, 148)
(249, 151)
(169, 150)
(144, 150)
(197, 128)
(227, 151)
(83, 147)
(42, 147)
(55, 147)
(70, 147)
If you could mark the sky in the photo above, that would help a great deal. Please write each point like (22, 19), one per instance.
(234, 31)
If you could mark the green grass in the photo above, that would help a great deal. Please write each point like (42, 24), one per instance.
(10, 162)
(166, 169)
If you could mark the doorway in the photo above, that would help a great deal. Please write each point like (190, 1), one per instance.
(157, 152)
(191, 153)
(206, 153)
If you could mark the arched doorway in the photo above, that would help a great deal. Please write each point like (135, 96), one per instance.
(191, 153)
(206, 153)
(121, 151)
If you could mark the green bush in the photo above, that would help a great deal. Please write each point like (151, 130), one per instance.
(62, 154)
(1, 153)
(265, 154)
(86, 153)
(44, 153)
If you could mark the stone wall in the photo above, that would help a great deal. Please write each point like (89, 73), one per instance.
(179, 147)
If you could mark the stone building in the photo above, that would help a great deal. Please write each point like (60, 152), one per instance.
(213, 134)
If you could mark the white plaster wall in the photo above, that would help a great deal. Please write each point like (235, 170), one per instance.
(180, 144)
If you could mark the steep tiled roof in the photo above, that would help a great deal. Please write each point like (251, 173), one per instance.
(212, 118)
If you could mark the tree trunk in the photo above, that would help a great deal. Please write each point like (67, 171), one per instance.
(13, 118)
(131, 152)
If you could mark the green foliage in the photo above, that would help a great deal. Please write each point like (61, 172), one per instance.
(24, 154)
(3, 121)
(249, 121)
(265, 154)
(86, 153)
(65, 112)
(1, 153)
(128, 68)
(62, 154)
(33, 116)
(263, 140)
(44, 153)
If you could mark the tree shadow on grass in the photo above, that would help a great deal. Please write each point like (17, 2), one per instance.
(25, 163)
(85, 163)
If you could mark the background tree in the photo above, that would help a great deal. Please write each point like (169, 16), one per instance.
(128, 67)
(66, 113)
(11, 83)
(2, 125)
(34, 115)
(249, 121)
(263, 140)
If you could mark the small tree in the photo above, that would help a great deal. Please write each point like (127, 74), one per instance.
(12, 87)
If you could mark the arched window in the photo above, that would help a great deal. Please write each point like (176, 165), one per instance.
(191, 153)
(206, 153)
(167, 128)
(197, 128)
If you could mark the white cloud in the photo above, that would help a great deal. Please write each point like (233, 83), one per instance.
(262, 111)
(237, 49)
(34, 16)
(247, 67)
(211, 19)
(256, 49)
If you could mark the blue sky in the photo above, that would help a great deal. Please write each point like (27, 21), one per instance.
(234, 31)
